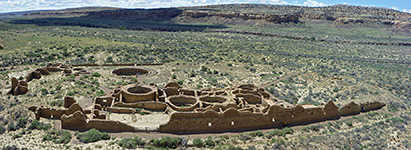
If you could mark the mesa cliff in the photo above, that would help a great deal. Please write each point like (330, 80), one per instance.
(246, 14)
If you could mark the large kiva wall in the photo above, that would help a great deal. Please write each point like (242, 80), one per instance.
(276, 116)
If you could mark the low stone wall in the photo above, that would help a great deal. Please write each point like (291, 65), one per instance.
(136, 93)
(178, 101)
(276, 116)
(78, 121)
(104, 101)
(54, 113)
(20, 87)
(349, 109)
(109, 126)
(156, 106)
(121, 110)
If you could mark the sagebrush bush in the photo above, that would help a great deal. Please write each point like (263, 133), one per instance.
(198, 142)
(209, 142)
(57, 136)
(2, 129)
(21, 123)
(35, 124)
(257, 133)
(166, 142)
(93, 135)
(131, 143)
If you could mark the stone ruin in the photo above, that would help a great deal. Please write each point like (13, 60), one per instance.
(245, 107)
(19, 87)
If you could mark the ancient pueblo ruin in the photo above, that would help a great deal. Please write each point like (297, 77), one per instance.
(174, 109)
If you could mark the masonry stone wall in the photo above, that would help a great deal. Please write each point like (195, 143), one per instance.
(276, 116)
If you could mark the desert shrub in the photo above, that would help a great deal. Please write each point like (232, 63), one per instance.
(313, 128)
(167, 142)
(21, 123)
(198, 142)
(348, 123)
(93, 135)
(16, 136)
(96, 74)
(100, 93)
(70, 93)
(257, 133)
(204, 69)
(306, 129)
(279, 132)
(244, 137)
(232, 147)
(39, 125)
(11, 126)
(57, 103)
(131, 143)
(394, 120)
(209, 142)
(57, 136)
(251, 147)
(1, 106)
(44, 91)
(2, 129)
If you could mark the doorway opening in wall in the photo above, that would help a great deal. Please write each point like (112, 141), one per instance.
(232, 123)
(209, 124)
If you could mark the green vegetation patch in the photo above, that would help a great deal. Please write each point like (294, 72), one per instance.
(131, 143)
(57, 136)
(92, 135)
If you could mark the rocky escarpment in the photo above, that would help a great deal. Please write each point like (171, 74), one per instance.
(138, 14)
(274, 18)
(247, 13)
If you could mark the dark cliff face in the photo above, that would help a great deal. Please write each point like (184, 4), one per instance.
(274, 18)
(138, 14)
(276, 14)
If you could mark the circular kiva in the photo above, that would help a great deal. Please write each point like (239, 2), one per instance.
(129, 71)
(182, 102)
(213, 99)
(135, 93)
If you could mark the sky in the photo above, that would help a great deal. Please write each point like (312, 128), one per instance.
(26, 5)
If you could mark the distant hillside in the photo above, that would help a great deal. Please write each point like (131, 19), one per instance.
(70, 11)
(245, 14)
